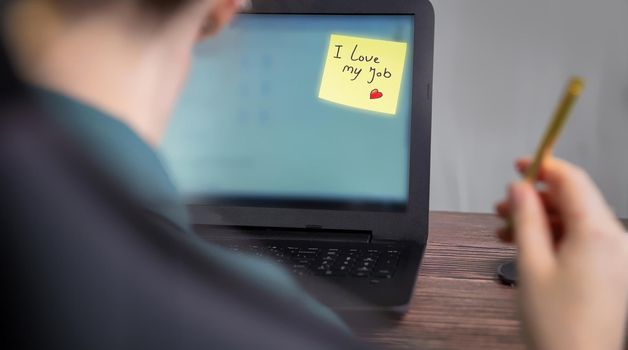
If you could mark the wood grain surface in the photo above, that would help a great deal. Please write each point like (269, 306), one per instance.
(458, 302)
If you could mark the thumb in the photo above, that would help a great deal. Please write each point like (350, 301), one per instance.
(532, 233)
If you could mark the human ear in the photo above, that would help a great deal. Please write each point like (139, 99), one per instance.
(220, 14)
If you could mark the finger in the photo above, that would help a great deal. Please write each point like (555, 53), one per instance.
(503, 208)
(575, 196)
(532, 231)
(506, 235)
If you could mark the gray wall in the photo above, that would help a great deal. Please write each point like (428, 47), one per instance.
(500, 67)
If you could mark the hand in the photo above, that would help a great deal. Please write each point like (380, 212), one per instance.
(572, 260)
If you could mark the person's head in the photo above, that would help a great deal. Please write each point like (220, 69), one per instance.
(127, 57)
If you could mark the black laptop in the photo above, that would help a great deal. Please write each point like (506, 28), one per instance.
(303, 135)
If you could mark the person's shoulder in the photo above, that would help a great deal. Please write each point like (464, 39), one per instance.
(37, 159)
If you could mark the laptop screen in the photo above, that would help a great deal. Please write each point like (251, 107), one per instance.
(304, 111)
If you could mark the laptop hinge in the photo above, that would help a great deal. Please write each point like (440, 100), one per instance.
(308, 233)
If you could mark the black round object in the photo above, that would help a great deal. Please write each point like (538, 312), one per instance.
(507, 273)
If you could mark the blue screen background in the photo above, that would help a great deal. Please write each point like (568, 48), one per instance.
(249, 123)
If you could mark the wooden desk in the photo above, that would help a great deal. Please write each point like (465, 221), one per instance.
(458, 302)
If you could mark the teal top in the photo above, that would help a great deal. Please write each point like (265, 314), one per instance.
(134, 165)
(120, 153)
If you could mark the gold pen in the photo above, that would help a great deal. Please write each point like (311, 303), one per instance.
(574, 90)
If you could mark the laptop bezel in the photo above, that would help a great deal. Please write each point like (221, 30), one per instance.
(411, 224)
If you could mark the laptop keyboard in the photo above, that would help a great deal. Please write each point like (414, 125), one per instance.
(372, 262)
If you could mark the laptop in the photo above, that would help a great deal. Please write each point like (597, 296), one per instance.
(303, 135)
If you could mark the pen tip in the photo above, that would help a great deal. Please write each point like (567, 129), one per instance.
(576, 85)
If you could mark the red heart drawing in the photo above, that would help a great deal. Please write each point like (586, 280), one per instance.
(375, 94)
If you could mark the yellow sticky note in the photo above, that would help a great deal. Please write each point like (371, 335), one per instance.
(364, 73)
